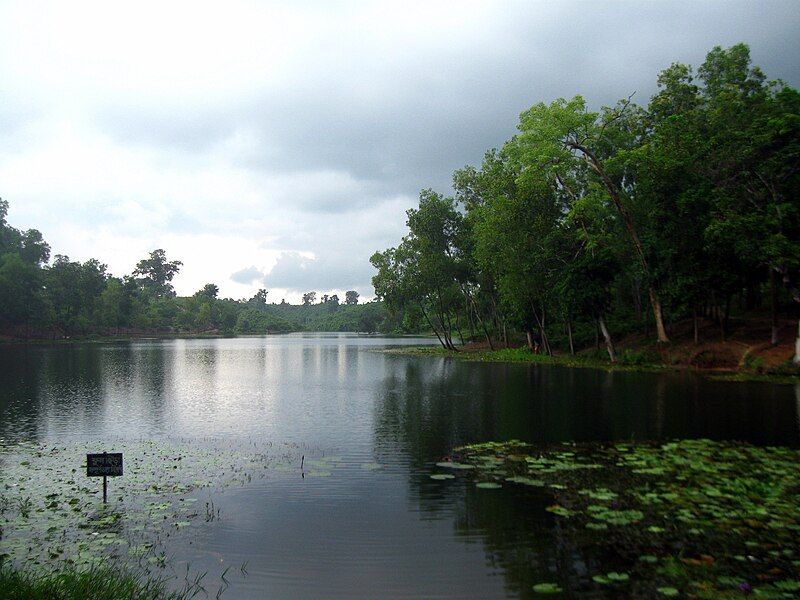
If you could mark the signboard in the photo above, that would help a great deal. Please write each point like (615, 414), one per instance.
(104, 465)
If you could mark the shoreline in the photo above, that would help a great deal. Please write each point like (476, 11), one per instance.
(103, 339)
(524, 356)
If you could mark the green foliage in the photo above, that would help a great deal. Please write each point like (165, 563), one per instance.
(157, 273)
(585, 217)
(68, 298)
(258, 322)
(639, 358)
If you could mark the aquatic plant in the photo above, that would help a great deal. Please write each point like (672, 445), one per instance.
(53, 515)
(694, 517)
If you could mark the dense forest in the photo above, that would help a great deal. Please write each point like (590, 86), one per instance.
(590, 225)
(64, 298)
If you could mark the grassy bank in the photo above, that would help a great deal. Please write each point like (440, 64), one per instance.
(98, 583)
(629, 359)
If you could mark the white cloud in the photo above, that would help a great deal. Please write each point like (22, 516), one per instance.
(287, 139)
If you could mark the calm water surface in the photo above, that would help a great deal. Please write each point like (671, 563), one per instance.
(390, 532)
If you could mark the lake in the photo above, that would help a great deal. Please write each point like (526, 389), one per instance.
(376, 525)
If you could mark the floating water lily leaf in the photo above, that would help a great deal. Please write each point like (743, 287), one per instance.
(723, 504)
(547, 588)
(442, 476)
(559, 510)
(454, 465)
(316, 473)
(52, 514)
(526, 481)
(788, 585)
(648, 558)
(610, 578)
(488, 485)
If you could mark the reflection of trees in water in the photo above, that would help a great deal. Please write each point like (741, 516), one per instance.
(426, 407)
(20, 384)
(71, 388)
(80, 388)
(521, 538)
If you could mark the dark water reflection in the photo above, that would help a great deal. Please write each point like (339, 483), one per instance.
(392, 532)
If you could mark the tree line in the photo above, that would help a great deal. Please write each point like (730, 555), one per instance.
(599, 223)
(63, 298)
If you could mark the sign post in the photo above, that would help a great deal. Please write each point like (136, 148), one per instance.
(104, 465)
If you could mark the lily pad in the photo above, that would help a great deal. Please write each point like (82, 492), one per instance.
(547, 588)
(454, 465)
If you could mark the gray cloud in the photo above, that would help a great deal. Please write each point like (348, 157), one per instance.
(403, 118)
(247, 276)
(307, 130)
(297, 273)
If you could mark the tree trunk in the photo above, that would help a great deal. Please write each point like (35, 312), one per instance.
(660, 329)
(637, 299)
(470, 320)
(438, 337)
(469, 299)
(542, 332)
(773, 289)
(727, 318)
(695, 323)
(458, 328)
(616, 198)
(797, 345)
(569, 337)
(545, 339)
(529, 338)
(607, 337)
(596, 335)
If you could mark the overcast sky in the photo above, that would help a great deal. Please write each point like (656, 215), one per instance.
(278, 145)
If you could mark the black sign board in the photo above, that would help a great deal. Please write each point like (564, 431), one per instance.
(104, 465)
(107, 464)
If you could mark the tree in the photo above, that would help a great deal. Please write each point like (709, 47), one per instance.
(422, 269)
(754, 131)
(553, 138)
(30, 244)
(74, 290)
(21, 298)
(259, 298)
(113, 305)
(309, 298)
(351, 297)
(208, 292)
(157, 273)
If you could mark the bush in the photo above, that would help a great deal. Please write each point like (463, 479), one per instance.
(639, 357)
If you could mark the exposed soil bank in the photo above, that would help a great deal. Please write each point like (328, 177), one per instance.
(745, 353)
